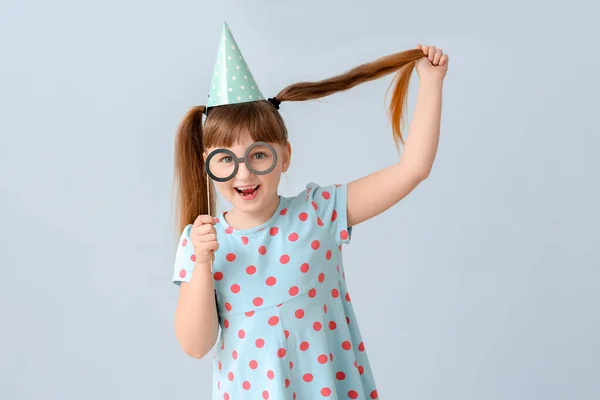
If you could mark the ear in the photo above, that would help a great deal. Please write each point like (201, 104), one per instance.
(287, 157)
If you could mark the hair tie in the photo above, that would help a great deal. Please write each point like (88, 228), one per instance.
(276, 102)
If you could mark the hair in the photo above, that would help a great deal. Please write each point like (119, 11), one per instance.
(264, 123)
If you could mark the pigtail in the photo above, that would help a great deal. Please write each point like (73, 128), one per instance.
(403, 63)
(190, 175)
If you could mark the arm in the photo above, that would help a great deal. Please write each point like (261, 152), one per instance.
(196, 321)
(373, 194)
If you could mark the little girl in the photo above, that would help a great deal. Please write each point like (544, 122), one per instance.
(269, 273)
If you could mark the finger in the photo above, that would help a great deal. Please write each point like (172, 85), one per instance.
(419, 46)
(208, 238)
(431, 53)
(444, 60)
(437, 56)
(204, 229)
(425, 49)
(204, 219)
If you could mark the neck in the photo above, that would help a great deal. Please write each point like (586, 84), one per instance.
(241, 220)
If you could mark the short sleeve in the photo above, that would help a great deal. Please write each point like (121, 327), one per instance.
(184, 258)
(330, 206)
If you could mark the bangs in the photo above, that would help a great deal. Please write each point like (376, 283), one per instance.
(226, 124)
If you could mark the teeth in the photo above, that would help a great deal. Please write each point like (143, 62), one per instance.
(246, 187)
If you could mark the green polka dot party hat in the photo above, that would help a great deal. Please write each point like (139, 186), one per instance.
(232, 82)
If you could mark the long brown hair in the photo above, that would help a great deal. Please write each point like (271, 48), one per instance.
(222, 126)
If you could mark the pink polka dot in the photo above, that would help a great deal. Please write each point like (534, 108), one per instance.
(303, 216)
(361, 370)
(241, 333)
(253, 364)
(312, 293)
(262, 250)
(184, 243)
(281, 352)
(293, 237)
(193, 257)
(220, 366)
(270, 374)
(230, 257)
(319, 221)
(258, 301)
(284, 259)
(218, 275)
(265, 395)
(346, 345)
(299, 313)
(325, 308)
(317, 326)
(234, 354)
(260, 343)
(271, 281)
(251, 270)
(307, 377)
(235, 288)
(294, 290)
(291, 365)
(246, 385)
(325, 392)
(335, 293)
(228, 306)
(245, 239)
(230, 376)
(344, 234)
(322, 359)
(249, 313)
(332, 325)
(182, 273)
(274, 320)
(273, 231)
(326, 195)
(347, 296)
(334, 216)
(361, 346)
(340, 376)
(226, 323)
(283, 212)
(304, 346)
(353, 394)
(304, 267)
(229, 230)
(314, 205)
(374, 394)
(328, 254)
(348, 320)
(287, 333)
(315, 244)
(321, 277)
(287, 384)
(226, 396)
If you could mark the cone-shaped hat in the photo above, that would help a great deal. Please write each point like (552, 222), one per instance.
(232, 82)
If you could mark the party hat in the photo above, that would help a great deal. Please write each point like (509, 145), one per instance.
(232, 82)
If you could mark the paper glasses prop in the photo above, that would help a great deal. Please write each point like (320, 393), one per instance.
(222, 164)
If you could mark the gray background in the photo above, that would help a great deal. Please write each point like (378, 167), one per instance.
(482, 284)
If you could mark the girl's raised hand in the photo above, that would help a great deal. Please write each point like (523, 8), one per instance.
(435, 65)
(204, 239)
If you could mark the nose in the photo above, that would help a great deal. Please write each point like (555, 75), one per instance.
(243, 171)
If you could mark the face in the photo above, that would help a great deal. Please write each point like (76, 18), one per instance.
(248, 190)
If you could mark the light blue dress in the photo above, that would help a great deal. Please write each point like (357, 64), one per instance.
(288, 327)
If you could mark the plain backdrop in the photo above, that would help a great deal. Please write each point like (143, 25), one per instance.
(482, 284)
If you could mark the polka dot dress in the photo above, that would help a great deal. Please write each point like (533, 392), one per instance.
(288, 328)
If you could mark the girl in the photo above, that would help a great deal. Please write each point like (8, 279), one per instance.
(269, 272)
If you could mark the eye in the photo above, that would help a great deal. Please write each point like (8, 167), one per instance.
(260, 155)
(226, 159)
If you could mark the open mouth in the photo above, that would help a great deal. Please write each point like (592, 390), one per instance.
(248, 192)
